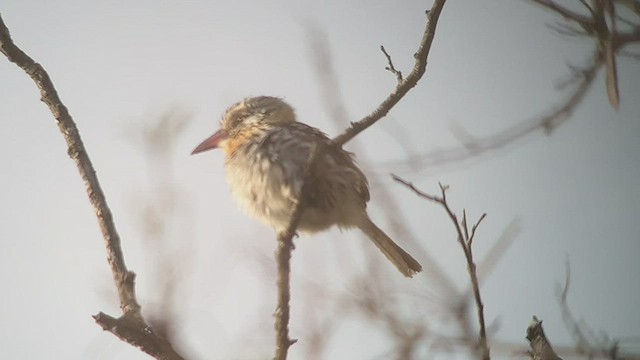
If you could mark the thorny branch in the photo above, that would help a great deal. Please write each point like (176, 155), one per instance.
(285, 238)
(130, 327)
(465, 239)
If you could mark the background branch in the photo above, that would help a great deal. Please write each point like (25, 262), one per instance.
(474, 147)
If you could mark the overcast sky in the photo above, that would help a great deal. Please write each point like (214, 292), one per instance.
(118, 65)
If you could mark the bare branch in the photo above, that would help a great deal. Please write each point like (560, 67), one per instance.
(609, 53)
(79, 155)
(473, 230)
(480, 146)
(407, 84)
(132, 330)
(465, 242)
(124, 279)
(283, 259)
(390, 67)
(566, 13)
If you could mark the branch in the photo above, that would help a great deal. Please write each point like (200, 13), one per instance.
(474, 147)
(404, 86)
(465, 239)
(283, 259)
(587, 344)
(135, 332)
(566, 13)
(611, 43)
(601, 27)
(124, 279)
(390, 68)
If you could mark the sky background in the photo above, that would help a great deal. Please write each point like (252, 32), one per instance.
(120, 65)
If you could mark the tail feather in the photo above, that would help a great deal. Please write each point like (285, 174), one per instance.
(407, 265)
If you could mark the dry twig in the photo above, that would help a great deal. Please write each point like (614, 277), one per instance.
(465, 239)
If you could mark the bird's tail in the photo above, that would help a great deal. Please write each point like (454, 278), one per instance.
(407, 265)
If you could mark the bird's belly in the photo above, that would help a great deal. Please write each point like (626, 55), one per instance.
(264, 192)
(269, 191)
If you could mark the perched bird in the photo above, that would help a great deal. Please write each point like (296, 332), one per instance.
(266, 155)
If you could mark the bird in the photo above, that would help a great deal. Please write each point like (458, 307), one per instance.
(267, 154)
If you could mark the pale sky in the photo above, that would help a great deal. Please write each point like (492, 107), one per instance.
(120, 64)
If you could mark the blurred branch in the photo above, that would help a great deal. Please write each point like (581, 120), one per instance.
(541, 348)
(476, 146)
(159, 211)
(610, 42)
(465, 239)
(586, 343)
(601, 26)
(390, 68)
(131, 326)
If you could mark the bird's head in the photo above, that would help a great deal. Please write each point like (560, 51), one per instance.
(248, 118)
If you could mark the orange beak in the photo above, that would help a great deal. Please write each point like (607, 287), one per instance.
(211, 142)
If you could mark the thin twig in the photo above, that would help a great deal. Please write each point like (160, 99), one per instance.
(501, 139)
(465, 240)
(566, 13)
(131, 324)
(392, 69)
(473, 230)
(407, 84)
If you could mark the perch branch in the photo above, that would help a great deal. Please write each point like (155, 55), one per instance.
(285, 238)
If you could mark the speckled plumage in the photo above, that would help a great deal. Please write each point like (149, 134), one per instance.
(266, 154)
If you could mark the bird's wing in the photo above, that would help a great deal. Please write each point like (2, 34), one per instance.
(333, 177)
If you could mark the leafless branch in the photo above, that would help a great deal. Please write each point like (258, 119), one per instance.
(601, 27)
(131, 326)
(586, 342)
(407, 84)
(392, 69)
(283, 259)
(566, 13)
(465, 240)
(475, 146)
